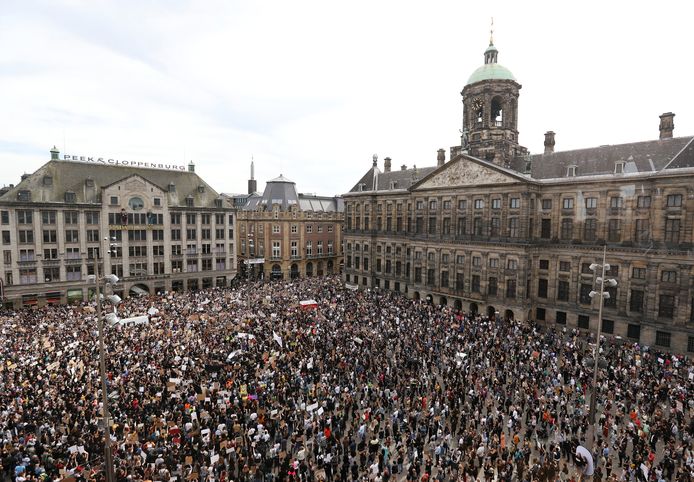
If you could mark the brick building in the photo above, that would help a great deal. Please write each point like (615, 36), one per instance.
(286, 234)
(498, 231)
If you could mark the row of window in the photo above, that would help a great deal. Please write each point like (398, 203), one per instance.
(26, 216)
(276, 228)
(293, 247)
(590, 202)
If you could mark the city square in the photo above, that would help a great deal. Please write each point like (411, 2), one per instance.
(441, 279)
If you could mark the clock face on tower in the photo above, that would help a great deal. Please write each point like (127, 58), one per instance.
(477, 104)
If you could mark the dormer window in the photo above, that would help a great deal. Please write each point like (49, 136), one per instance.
(571, 171)
(201, 188)
(393, 184)
(89, 182)
(47, 180)
(70, 197)
(189, 201)
(172, 187)
(619, 167)
(218, 203)
(24, 195)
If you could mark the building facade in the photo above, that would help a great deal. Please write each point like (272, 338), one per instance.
(500, 232)
(157, 229)
(285, 234)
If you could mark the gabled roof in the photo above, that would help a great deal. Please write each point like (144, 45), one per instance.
(465, 169)
(638, 157)
(72, 176)
(376, 180)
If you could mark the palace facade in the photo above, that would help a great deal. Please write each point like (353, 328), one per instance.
(156, 229)
(501, 232)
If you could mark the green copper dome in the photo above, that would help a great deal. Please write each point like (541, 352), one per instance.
(490, 72)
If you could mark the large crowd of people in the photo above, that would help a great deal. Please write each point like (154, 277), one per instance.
(246, 384)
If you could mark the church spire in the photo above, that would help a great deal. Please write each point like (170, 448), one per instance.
(252, 183)
(491, 33)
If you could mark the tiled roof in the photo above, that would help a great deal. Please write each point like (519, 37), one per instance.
(638, 157)
(68, 176)
(400, 179)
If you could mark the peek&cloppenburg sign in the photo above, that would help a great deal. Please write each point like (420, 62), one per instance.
(117, 162)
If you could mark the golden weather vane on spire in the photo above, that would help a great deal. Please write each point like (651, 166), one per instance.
(491, 33)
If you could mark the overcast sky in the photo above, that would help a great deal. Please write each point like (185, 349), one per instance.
(313, 89)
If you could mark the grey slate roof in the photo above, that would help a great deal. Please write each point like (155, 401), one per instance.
(647, 156)
(72, 176)
(403, 179)
(282, 191)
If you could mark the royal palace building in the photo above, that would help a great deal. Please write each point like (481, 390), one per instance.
(286, 234)
(513, 235)
(157, 227)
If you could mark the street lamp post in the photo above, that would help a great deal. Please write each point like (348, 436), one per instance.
(111, 279)
(596, 354)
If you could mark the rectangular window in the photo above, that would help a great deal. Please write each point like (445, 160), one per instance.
(544, 264)
(114, 201)
(446, 229)
(674, 200)
(614, 229)
(583, 322)
(546, 204)
(565, 266)
(71, 217)
(276, 250)
(191, 233)
(479, 203)
(494, 225)
(643, 230)
(542, 288)
(591, 202)
(546, 228)
(510, 288)
(432, 205)
(690, 344)
(462, 204)
(634, 331)
(636, 301)
(175, 235)
(93, 236)
(563, 290)
(477, 226)
(5, 217)
(25, 216)
(662, 338)
(475, 286)
(643, 202)
(672, 230)
(611, 301)
(567, 227)
(50, 236)
(48, 217)
(666, 306)
(460, 227)
(447, 205)
(608, 326)
(561, 317)
(616, 202)
(418, 275)
(513, 227)
(590, 228)
(638, 273)
(204, 234)
(668, 276)
(540, 314)
(514, 203)
(512, 264)
(71, 236)
(585, 298)
(492, 287)
(191, 218)
(432, 225)
(496, 203)
(175, 218)
(494, 263)
(476, 261)
(431, 277)
(567, 203)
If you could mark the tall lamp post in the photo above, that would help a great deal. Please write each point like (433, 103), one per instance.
(601, 281)
(109, 279)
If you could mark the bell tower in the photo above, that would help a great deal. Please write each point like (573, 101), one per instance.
(490, 113)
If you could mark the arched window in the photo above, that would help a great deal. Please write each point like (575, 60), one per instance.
(497, 111)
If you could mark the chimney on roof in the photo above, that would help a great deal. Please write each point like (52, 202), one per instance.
(667, 125)
(375, 160)
(386, 164)
(549, 142)
(55, 154)
(24, 176)
(403, 167)
(440, 157)
(191, 167)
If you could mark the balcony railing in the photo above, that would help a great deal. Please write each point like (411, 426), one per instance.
(191, 252)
